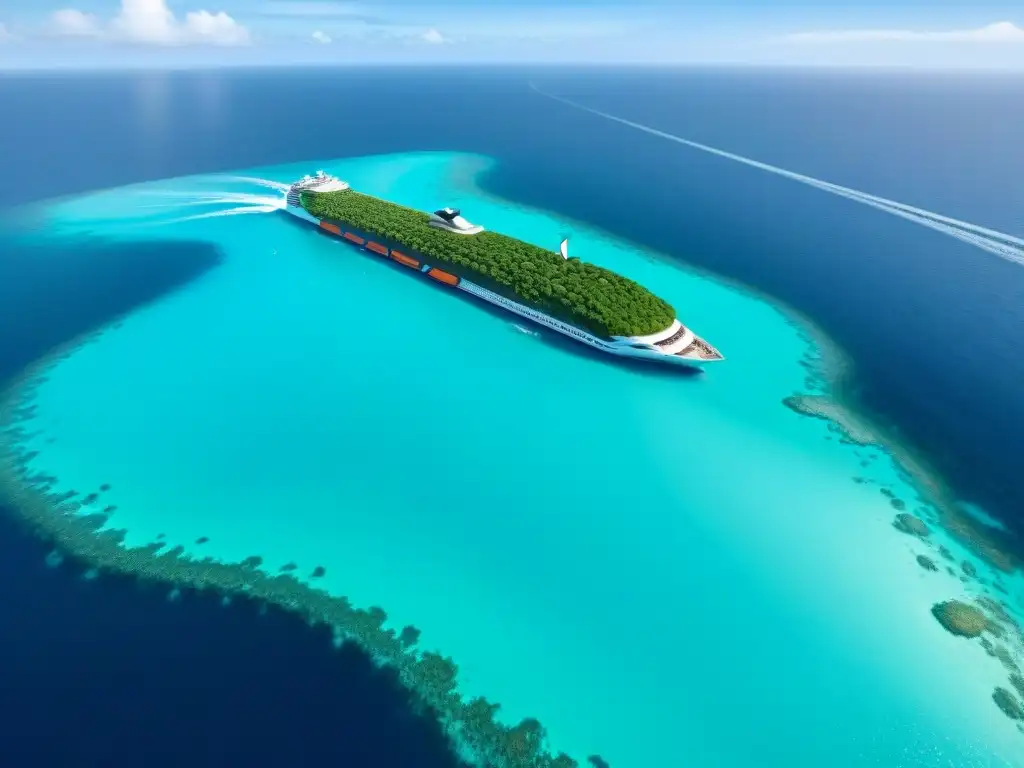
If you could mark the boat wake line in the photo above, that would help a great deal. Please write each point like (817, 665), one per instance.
(1005, 246)
(240, 202)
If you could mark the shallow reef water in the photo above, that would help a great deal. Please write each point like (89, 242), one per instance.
(661, 569)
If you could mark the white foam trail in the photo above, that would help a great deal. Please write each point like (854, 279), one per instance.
(991, 233)
(181, 204)
(242, 198)
(259, 200)
(239, 211)
(214, 197)
(993, 241)
(241, 202)
(262, 182)
(1003, 250)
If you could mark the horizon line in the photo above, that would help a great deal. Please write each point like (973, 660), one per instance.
(122, 66)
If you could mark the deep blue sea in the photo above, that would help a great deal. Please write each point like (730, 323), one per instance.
(102, 670)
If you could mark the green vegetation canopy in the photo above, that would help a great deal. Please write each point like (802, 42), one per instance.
(587, 296)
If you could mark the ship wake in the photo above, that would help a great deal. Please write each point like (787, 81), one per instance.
(269, 183)
(187, 199)
(524, 330)
(224, 202)
(1001, 244)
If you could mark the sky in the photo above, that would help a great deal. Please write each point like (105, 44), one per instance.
(936, 34)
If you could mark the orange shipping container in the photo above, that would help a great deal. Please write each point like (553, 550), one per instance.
(443, 277)
(354, 238)
(377, 247)
(330, 227)
(401, 258)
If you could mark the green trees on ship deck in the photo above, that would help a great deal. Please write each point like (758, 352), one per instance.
(587, 296)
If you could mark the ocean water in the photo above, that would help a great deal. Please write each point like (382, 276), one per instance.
(577, 535)
(886, 290)
(662, 569)
(238, 684)
(217, 685)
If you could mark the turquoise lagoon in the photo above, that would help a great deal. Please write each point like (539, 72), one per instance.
(665, 570)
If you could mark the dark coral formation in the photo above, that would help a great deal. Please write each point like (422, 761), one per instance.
(1002, 625)
(995, 629)
(907, 523)
(946, 554)
(927, 563)
(968, 568)
(960, 618)
(409, 636)
(1002, 654)
(994, 546)
(997, 609)
(1017, 681)
(819, 407)
(1006, 659)
(988, 543)
(1007, 702)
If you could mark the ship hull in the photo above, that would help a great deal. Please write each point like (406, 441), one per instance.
(408, 258)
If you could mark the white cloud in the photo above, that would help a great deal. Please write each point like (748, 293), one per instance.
(1000, 32)
(369, 32)
(216, 28)
(152, 22)
(68, 21)
(432, 36)
(145, 21)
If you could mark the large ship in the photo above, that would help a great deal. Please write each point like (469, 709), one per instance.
(675, 344)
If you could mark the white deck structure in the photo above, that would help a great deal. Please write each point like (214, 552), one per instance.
(321, 182)
(450, 220)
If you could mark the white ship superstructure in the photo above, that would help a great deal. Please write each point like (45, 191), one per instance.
(451, 220)
(676, 344)
(321, 182)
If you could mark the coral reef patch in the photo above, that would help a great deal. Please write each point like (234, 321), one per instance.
(960, 619)
(1008, 703)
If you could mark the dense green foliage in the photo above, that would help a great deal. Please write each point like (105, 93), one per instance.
(587, 296)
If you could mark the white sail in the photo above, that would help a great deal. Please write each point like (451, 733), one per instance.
(564, 248)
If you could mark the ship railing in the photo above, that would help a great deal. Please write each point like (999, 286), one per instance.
(673, 338)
